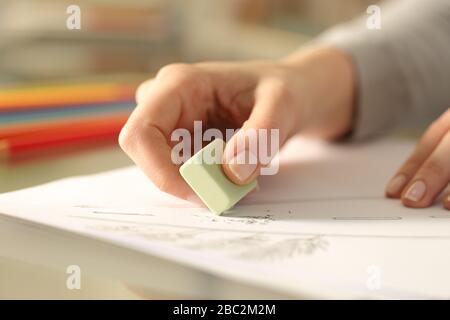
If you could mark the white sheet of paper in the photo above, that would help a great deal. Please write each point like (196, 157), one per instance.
(320, 227)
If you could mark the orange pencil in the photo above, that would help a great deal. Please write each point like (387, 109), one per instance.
(15, 99)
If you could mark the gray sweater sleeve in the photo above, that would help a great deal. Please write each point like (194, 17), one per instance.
(402, 69)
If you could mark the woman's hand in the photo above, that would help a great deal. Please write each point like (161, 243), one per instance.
(311, 92)
(426, 173)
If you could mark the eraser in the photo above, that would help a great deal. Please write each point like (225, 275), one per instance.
(203, 172)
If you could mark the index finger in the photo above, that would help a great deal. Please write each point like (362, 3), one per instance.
(146, 135)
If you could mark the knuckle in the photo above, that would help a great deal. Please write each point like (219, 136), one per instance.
(140, 91)
(280, 93)
(170, 69)
(136, 133)
(132, 134)
(280, 87)
(179, 72)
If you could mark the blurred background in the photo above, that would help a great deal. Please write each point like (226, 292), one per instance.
(65, 94)
(137, 37)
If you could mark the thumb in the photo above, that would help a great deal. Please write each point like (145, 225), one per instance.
(250, 151)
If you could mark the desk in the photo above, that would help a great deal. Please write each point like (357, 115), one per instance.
(145, 276)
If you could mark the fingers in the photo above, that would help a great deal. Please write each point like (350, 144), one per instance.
(146, 135)
(426, 173)
(270, 123)
(431, 179)
(426, 146)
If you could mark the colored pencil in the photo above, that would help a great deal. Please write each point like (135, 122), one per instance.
(30, 116)
(13, 99)
(53, 126)
(61, 137)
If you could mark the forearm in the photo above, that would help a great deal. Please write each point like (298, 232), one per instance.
(401, 70)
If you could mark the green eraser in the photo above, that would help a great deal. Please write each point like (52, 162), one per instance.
(203, 172)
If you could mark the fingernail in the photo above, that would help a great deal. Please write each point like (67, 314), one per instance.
(416, 191)
(396, 184)
(243, 165)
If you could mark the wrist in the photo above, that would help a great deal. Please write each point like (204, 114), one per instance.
(328, 82)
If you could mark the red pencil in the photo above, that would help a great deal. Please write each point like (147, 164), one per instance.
(72, 135)
(9, 131)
